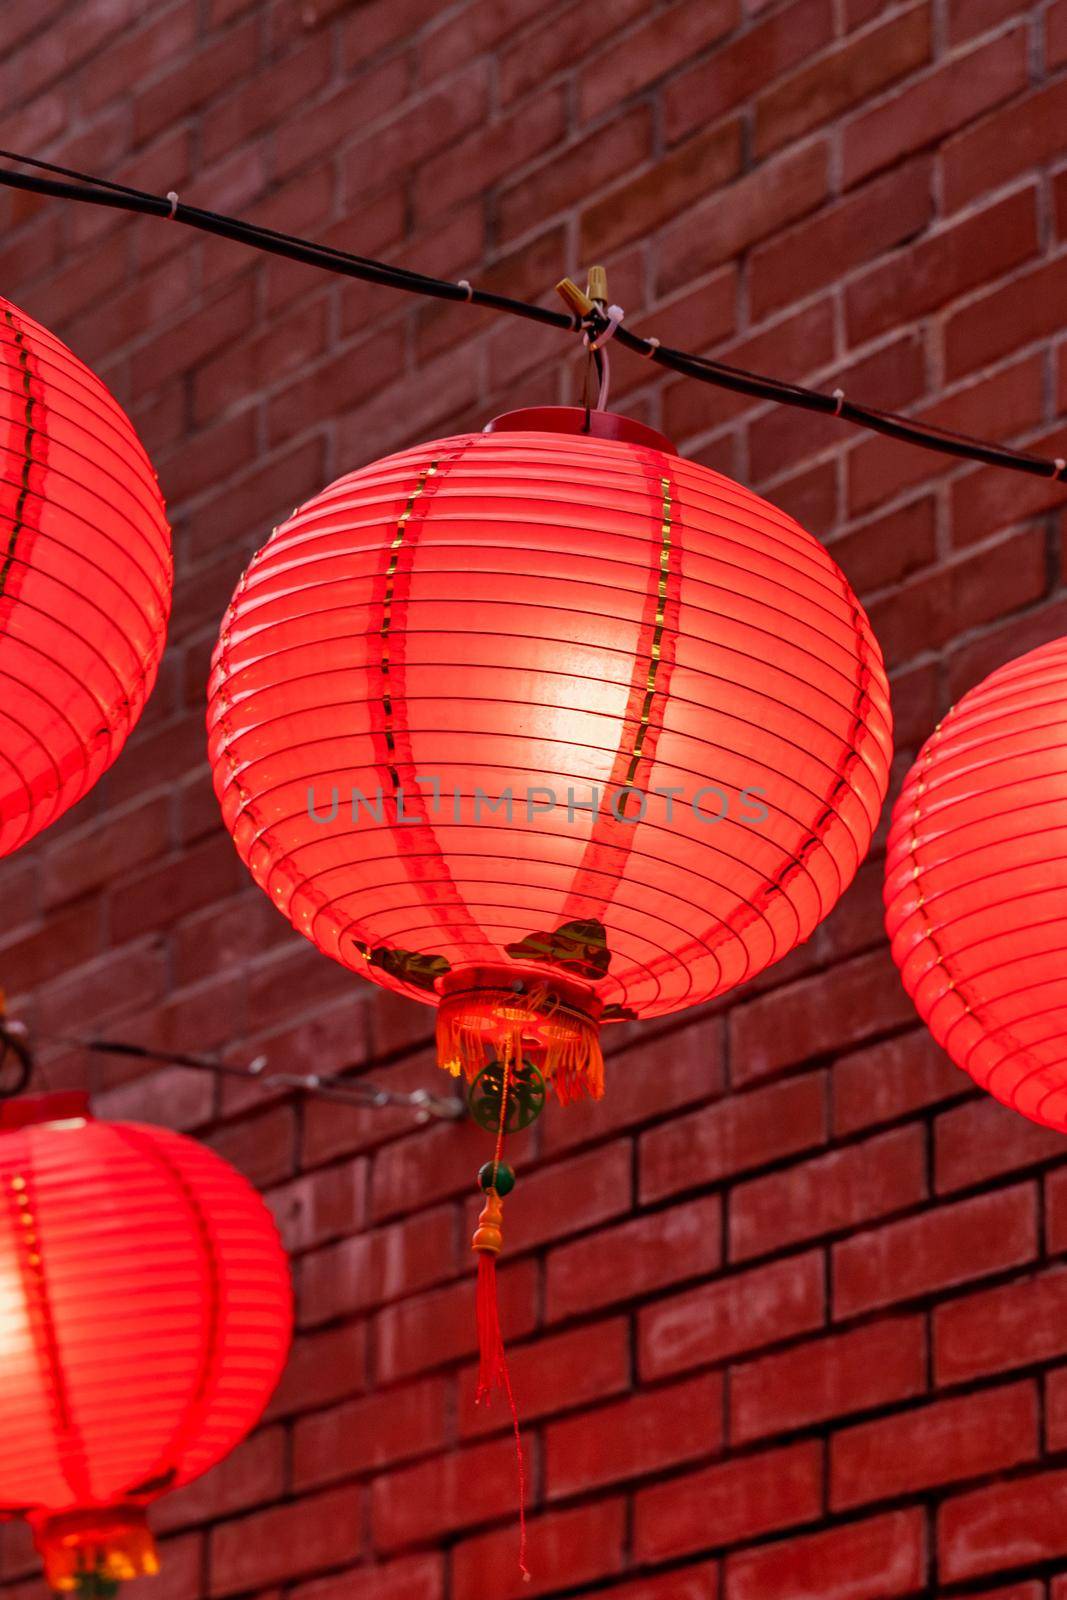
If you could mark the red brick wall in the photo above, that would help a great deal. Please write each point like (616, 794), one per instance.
(789, 1311)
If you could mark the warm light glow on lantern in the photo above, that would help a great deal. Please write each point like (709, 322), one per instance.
(85, 578)
(976, 884)
(541, 613)
(145, 1316)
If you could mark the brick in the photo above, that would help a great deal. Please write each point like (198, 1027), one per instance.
(423, 1502)
(577, 1194)
(253, 1473)
(732, 1136)
(925, 612)
(1056, 1409)
(937, 1444)
(364, 1435)
(799, 1022)
(553, 1374)
(839, 78)
(879, 468)
(723, 1504)
(1004, 1525)
(896, 373)
(961, 256)
(635, 1257)
(286, 1542)
(487, 154)
(759, 203)
(1020, 136)
(432, 1329)
(573, 1547)
(830, 1194)
(322, 1368)
(886, 212)
(743, 1312)
(1011, 1326)
(869, 1560)
(737, 70)
(410, 1578)
(982, 1140)
(871, 1366)
(951, 1245)
(535, 57)
(641, 204)
(795, 346)
(423, 126)
(642, 1434)
(1055, 1195)
(926, 110)
(650, 51)
(260, 100)
(320, 1206)
(1056, 35)
(574, 173)
(890, 1079)
(889, 547)
(195, 81)
(262, 1146)
(980, 505)
(368, 1269)
(663, 1074)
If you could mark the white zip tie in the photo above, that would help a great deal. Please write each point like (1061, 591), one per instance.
(839, 396)
(614, 315)
(172, 196)
(463, 284)
(653, 344)
(1059, 466)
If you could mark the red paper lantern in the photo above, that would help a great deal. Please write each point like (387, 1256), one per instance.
(85, 578)
(145, 1315)
(976, 884)
(545, 727)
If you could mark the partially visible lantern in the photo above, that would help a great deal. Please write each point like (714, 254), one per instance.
(145, 1317)
(976, 884)
(548, 727)
(85, 578)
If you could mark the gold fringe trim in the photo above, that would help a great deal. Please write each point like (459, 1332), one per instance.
(474, 1028)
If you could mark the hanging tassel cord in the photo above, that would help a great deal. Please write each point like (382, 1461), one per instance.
(493, 1370)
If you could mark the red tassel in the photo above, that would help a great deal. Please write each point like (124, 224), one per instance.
(493, 1368)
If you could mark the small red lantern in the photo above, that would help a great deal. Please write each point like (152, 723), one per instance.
(85, 578)
(976, 884)
(145, 1316)
(546, 726)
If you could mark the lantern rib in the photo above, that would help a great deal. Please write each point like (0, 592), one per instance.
(69, 184)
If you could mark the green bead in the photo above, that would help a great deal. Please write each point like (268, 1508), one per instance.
(505, 1178)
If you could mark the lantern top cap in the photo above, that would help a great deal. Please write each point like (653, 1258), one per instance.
(577, 420)
(72, 1105)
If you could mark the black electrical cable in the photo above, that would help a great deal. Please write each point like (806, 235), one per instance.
(73, 185)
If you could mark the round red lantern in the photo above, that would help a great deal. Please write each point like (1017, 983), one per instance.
(145, 1316)
(976, 884)
(85, 578)
(546, 726)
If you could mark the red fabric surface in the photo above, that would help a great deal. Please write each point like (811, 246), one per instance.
(85, 578)
(145, 1312)
(976, 884)
(523, 612)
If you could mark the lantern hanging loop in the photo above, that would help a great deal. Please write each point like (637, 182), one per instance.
(14, 1053)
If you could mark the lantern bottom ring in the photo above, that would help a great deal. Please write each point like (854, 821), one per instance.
(490, 1013)
(109, 1543)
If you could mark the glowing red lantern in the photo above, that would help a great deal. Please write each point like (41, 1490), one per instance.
(547, 727)
(145, 1316)
(85, 578)
(976, 884)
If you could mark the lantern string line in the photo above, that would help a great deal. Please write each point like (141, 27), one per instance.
(15, 1040)
(70, 184)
